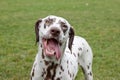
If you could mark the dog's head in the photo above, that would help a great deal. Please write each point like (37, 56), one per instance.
(53, 32)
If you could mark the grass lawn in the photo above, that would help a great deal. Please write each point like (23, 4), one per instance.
(98, 21)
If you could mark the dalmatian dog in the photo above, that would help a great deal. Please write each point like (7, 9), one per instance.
(60, 52)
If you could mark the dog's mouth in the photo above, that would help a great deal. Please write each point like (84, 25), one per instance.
(52, 47)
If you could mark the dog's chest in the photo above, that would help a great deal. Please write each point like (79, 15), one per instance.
(65, 70)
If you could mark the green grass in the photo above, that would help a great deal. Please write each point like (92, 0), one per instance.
(98, 21)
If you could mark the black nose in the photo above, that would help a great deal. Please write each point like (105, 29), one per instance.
(55, 32)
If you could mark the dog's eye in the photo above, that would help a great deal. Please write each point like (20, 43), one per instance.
(64, 28)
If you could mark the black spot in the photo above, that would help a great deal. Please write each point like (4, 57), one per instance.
(43, 55)
(89, 63)
(80, 49)
(61, 68)
(87, 50)
(30, 78)
(69, 74)
(49, 75)
(44, 26)
(33, 72)
(59, 72)
(67, 61)
(54, 71)
(44, 72)
(58, 79)
(83, 70)
(73, 75)
(90, 73)
(88, 67)
(41, 45)
(74, 54)
(51, 71)
(47, 62)
(60, 44)
(78, 55)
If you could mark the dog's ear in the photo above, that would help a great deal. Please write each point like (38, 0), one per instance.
(71, 38)
(37, 29)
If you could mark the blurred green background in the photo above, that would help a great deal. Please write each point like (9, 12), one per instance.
(98, 21)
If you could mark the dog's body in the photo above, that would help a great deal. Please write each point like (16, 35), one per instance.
(60, 53)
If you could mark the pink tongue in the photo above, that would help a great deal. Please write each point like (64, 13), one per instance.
(54, 46)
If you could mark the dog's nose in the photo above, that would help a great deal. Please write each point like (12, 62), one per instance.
(55, 32)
